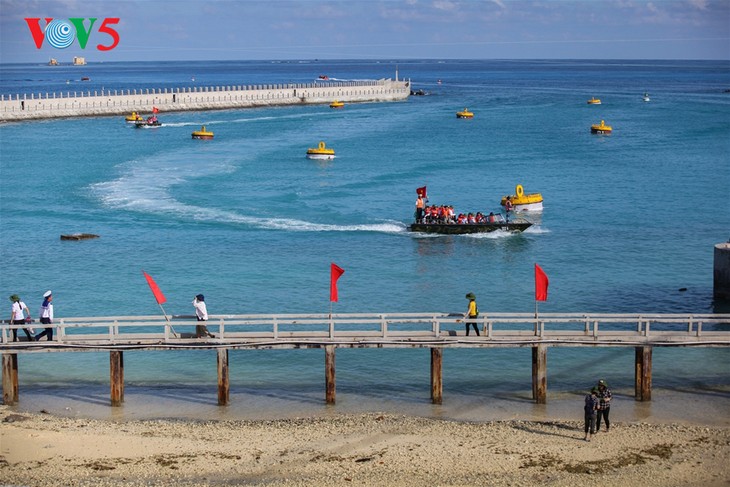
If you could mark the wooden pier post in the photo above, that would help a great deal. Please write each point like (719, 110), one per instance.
(10, 378)
(539, 374)
(223, 383)
(329, 373)
(642, 376)
(116, 376)
(437, 355)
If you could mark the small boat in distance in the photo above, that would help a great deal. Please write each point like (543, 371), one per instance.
(321, 152)
(594, 101)
(202, 134)
(523, 202)
(85, 78)
(337, 104)
(151, 122)
(601, 128)
(324, 77)
(464, 114)
(133, 118)
(646, 97)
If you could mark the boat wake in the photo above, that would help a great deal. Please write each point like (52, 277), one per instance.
(146, 187)
(243, 120)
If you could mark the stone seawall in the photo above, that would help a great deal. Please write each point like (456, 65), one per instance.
(119, 102)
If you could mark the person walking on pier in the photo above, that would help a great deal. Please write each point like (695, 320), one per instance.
(472, 313)
(46, 316)
(201, 312)
(17, 317)
(604, 404)
(590, 410)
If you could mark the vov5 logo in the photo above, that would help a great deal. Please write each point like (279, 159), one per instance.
(61, 34)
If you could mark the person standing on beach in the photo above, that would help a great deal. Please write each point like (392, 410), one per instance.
(46, 316)
(604, 404)
(17, 317)
(201, 313)
(590, 410)
(471, 313)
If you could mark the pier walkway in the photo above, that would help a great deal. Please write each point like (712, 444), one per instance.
(435, 331)
(123, 102)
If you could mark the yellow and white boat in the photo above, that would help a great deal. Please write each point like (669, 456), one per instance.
(134, 117)
(203, 133)
(523, 202)
(594, 101)
(601, 128)
(322, 152)
(464, 114)
(337, 104)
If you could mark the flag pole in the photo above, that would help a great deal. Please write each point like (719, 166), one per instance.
(167, 320)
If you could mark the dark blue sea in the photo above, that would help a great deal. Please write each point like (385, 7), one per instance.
(629, 225)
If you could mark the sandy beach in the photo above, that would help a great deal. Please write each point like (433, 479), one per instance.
(356, 449)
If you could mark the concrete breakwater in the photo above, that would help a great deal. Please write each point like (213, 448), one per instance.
(118, 102)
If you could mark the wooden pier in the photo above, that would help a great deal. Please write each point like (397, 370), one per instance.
(436, 331)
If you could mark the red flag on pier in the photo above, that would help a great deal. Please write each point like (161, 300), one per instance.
(541, 284)
(159, 297)
(335, 273)
(421, 192)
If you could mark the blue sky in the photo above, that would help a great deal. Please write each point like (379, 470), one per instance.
(373, 29)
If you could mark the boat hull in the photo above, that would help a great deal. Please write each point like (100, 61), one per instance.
(321, 157)
(145, 125)
(600, 131)
(202, 137)
(527, 207)
(461, 229)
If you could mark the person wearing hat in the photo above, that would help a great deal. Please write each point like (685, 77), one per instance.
(472, 313)
(201, 313)
(590, 410)
(17, 317)
(604, 404)
(46, 316)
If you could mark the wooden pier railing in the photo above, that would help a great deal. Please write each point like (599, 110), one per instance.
(362, 330)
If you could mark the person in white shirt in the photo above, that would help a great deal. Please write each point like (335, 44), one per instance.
(201, 312)
(46, 316)
(17, 317)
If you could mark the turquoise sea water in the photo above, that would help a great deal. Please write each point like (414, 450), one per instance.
(629, 220)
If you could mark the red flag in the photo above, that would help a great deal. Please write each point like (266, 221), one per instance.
(335, 273)
(541, 284)
(155, 290)
(155, 110)
(421, 192)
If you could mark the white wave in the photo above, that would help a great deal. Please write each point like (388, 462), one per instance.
(491, 235)
(536, 229)
(146, 187)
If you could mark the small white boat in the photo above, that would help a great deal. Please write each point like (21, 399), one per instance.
(645, 97)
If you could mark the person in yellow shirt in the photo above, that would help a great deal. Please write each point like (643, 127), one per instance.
(472, 313)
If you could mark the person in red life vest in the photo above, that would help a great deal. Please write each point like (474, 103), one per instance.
(470, 218)
(508, 204)
(461, 219)
(491, 218)
(479, 217)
